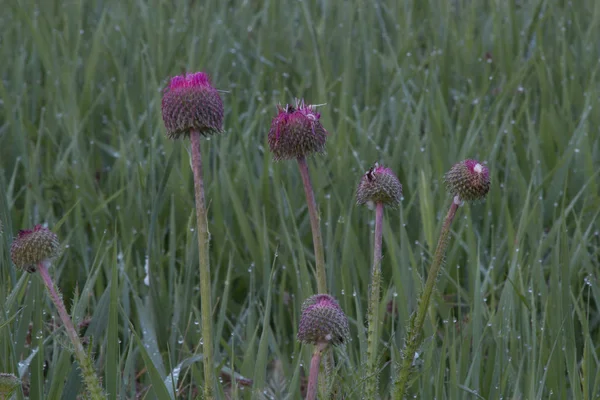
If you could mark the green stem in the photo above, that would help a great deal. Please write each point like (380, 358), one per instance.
(414, 337)
(372, 379)
(313, 377)
(315, 226)
(89, 375)
(205, 290)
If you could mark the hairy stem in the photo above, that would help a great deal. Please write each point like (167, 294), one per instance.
(205, 290)
(373, 311)
(313, 377)
(315, 226)
(85, 363)
(414, 336)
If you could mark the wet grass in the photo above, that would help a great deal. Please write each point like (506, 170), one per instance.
(417, 85)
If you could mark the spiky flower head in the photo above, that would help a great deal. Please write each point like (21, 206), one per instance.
(33, 246)
(296, 132)
(379, 185)
(8, 384)
(189, 103)
(469, 180)
(323, 321)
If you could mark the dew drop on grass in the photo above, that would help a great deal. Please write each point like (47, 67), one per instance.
(180, 340)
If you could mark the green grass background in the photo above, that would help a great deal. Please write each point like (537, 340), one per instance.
(415, 84)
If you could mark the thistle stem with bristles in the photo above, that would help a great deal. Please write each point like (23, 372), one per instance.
(315, 226)
(313, 377)
(373, 311)
(318, 246)
(89, 375)
(205, 289)
(414, 335)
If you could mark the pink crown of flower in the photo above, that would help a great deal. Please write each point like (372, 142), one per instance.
(189, 80)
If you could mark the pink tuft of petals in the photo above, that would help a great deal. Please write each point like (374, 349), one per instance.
(26, 232)
(189, 80)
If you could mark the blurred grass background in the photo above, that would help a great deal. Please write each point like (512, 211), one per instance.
(415, 84)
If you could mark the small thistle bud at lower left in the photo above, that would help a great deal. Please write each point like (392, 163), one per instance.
(33, 246)
(379, 185)
(8, 384)
(323, 321)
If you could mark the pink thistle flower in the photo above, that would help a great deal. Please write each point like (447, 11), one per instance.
(323, 321)
(191, 103)
(379, 185)
(296, 132)
(469, 180)
(33, 246)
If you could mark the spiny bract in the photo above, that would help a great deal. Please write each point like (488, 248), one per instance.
(379, 185)
(32, 246)
(323, 321)
(8, 384)
(469, 180)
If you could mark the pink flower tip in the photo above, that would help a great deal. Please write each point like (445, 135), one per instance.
(189, 80)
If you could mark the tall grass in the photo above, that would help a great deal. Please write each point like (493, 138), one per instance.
(415, 84)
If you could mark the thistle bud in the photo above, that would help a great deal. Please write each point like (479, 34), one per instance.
(323, 321)
(191, 103)
(469, 180)
(34, 246)
(8, 384)
(379, 185)
(296, 132)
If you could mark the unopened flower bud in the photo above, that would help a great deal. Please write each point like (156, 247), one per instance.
(323, 321)
(379, 185)
(8, 384)
(469, 180)
(34, 246)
